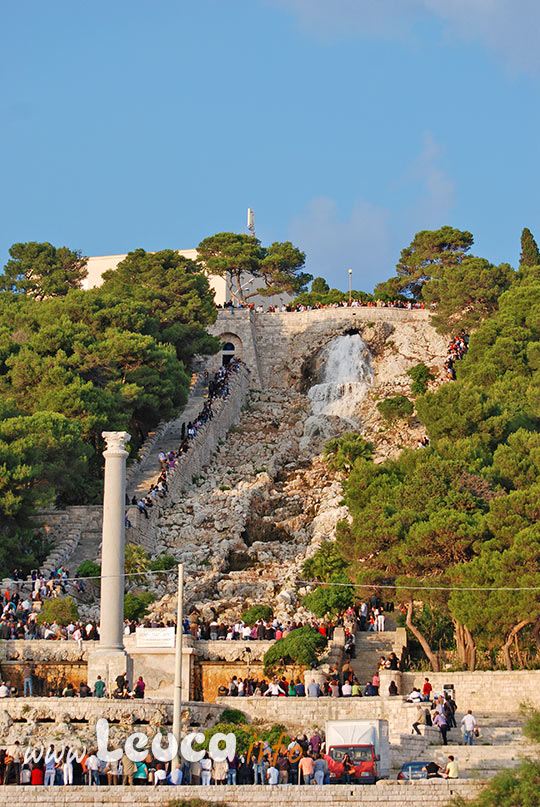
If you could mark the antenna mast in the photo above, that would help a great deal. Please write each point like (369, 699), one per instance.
(251, 221)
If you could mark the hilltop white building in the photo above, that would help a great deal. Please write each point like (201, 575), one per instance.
(100, 264)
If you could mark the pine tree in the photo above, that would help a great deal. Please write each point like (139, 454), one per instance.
(530, 255)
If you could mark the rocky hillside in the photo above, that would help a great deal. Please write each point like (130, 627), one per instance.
(265, 503)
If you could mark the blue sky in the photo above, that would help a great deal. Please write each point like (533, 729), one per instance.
(347, 125)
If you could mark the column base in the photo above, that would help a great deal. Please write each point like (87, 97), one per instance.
(109, 664)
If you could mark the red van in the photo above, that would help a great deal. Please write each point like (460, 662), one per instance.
(363, 757)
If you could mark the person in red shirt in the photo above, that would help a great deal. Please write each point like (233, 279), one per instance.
(427, 690)
(36, 777)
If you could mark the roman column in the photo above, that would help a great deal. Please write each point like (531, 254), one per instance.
(112, 548)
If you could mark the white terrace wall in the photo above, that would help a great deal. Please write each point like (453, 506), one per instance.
(383, 794)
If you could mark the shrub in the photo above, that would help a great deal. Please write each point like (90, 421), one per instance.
(420, 375)
(329, 599)
(257, 612)
(235, 716)
(396, 407)
(300, 646)
(88, 568)
(61, 610)
(136, 605)
(341, 452)
(137, 561)
(163, 563)
(325, 563)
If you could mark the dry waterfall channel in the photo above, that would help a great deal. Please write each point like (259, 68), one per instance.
(244, 527)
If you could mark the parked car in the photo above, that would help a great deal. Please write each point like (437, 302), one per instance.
(412, 770)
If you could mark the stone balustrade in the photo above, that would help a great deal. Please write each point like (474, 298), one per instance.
(383, 794)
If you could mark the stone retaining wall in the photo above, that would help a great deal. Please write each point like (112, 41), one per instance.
(276, 345)
(227, 412)
(383, 794)
(493, 691)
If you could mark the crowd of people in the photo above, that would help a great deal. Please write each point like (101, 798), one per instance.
(297, 761)
(298, 307)
(456, 350)
(440, 711)
(218, 389)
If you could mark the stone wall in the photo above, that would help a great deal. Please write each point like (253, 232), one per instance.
(227, 412)
(66, 529)
(493, 691)
(279, 344)
(383, 794)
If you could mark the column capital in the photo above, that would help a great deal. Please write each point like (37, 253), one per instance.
(115, 443)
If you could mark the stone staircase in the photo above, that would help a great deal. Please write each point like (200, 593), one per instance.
(500, 745)
(146, 474)
(371, 646)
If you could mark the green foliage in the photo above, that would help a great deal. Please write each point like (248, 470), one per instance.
(42, 461)
(325, 563)
(466, 293)
(136, 605)
(396, 407)
(331, 597)
(171, 293)
(88, 568)
(301, 646)
(136, 561)
(163, 563)
(434, 623)
(531, 728)
(256, 612)
(509, 788)
(41, 270)
(342, 452)
(278, 266)
(74, 363)
(530, 254)
(61, 610)
(429, 253)
(421, 376)
(319, 286)
(245, 733)
(232, 716)
(312, 298)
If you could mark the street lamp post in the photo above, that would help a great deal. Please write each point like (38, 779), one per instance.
(350, 286)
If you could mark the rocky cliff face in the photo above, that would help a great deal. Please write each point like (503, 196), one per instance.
(244, 527)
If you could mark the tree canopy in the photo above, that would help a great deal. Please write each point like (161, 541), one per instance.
(530, 255)
(240, 257)
(428, 254)
(455, 526)
(76, 362)
(41, 270)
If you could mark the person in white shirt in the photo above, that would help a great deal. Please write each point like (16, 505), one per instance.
(160, 777)
(4, 690)
(92, 766)
(206, 770)
(274, 689)
(346, 690)
(272, 775)
(470, 725)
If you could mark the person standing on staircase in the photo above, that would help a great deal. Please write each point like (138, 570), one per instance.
(470, 727)
(440, 721)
